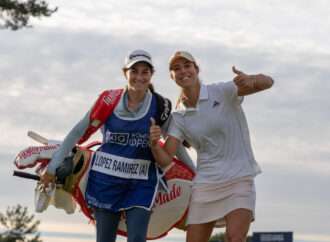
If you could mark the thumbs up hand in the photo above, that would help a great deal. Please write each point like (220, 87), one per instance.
(155, 133)
(237, 72)
(244, 81)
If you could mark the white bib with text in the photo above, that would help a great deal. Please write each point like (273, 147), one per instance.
(120, 166)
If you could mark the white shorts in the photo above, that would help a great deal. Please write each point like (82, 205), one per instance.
(212, 202)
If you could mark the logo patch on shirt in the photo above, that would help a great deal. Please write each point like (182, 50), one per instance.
(140, 140)
(215, 103)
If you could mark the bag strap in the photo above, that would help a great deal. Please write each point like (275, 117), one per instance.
(164, 108)
(102, 109)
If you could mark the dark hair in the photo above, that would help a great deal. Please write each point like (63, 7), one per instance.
(151, 88)
(186, 144)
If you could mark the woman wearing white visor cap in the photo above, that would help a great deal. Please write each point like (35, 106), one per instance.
(211, 119)
(123, 177)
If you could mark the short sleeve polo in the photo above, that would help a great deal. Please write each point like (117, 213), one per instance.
(218, 130)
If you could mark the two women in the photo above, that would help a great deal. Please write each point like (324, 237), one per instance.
(210, 119)
(123, 177)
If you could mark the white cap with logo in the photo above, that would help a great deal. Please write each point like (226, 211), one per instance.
(181, 54)
(138, 56)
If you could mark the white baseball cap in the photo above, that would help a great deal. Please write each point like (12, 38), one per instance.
(138, 56)
(181, 54)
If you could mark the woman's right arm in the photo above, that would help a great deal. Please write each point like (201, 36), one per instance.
(66, 147)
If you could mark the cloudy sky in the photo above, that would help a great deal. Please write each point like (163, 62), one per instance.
(50, 75)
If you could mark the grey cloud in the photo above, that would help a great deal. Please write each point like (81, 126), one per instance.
(13, 190)
(286, 196)
(58, 65)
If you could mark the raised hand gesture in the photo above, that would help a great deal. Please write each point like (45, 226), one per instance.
(155, 133)
(249, 84)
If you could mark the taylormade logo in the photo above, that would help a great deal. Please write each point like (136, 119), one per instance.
(167, 110)
(35, 150)
(174, 193)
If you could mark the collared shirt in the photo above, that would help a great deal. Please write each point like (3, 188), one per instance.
(203, 95)
(122, 108)
(218, 130)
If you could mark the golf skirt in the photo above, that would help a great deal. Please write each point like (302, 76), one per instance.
(212, 202)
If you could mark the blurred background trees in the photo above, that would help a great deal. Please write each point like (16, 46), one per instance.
(16, 14)
(16, 225)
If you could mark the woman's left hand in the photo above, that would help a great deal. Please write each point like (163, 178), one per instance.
(47, 179)
(249, 84)
(244, 80)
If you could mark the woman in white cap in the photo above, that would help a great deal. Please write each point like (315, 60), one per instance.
(123, 175)
(211, 119)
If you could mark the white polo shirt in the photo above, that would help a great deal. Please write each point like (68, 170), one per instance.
(218, 130)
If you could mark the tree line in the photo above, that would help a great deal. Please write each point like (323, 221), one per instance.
(16, 14)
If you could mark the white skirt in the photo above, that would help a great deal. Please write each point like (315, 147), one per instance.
(212, 202)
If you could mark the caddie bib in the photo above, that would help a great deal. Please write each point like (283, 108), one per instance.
(123, 171)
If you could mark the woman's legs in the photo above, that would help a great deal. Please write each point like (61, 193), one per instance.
(106, 225)
(137, 220)
(199, 232)
(237, 227)
(238, 224)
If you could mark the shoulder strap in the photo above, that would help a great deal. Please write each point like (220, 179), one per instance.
(164, 108)
(102, 109)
